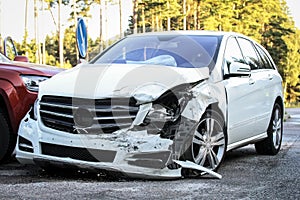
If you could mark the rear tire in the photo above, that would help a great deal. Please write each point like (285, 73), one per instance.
(271, 144)
(7, 139)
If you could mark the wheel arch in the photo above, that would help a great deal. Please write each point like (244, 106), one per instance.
(279, 100)
(211, 111)
(268, 146)
(214, 107)
(4, 106)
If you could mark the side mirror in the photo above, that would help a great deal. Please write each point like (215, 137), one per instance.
(10, 50)
(239, 69)
(21, 59)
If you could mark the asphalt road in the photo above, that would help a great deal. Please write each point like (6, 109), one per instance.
(246, 175)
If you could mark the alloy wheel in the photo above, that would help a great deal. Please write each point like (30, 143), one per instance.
(208, 144)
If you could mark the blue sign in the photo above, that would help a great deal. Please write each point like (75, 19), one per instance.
(81, 38)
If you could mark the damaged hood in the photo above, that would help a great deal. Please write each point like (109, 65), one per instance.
(120, 80)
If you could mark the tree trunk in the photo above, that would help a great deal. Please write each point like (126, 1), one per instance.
(75, 25)
(106, 25)
(199, 15)
(184, 14)
(26, 20)
(121, 19)
(43, 42)
(135, 16)
(26, 27)
(101, 27)
(169, 19)
(36, 31)
(60, 32)
(143, 18)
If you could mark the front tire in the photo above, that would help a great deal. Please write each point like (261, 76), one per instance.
(209, 142)
(7, 139)
(271, 145)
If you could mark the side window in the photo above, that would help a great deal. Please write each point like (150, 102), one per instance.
(250, 54)
(265, 58)
(233, 52)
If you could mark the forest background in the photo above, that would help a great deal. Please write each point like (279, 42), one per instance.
(266, 21)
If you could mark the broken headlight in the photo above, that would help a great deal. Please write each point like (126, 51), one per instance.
(164, 112)
(160, 113)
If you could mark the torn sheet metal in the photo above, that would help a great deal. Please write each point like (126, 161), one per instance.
(191, 165)
(201, 98)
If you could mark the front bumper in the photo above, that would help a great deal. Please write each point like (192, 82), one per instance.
(133, 153)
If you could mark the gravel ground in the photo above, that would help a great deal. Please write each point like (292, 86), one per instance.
(246, 175)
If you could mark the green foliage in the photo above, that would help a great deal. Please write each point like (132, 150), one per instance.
(274, 42)
(52, 49)
(155, 13)
(292, 68)
(53, 3)
(28, 49)
(82, 8)
(266, 21)
(70, 52)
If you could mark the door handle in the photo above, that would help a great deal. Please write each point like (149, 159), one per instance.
(270, 76)
(251, 81)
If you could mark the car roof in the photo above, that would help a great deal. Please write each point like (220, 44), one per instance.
(188, 32)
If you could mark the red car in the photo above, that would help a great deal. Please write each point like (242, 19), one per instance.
(19, 83)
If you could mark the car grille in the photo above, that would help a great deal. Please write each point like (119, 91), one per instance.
(87, 116)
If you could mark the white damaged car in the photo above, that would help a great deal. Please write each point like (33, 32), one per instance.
(158, 105)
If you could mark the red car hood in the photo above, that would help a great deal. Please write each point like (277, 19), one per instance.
(31, 68)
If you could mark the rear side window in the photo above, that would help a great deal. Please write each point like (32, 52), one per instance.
(267, 64)
(250, 54)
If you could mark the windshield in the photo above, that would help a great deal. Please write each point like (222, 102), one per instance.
(170, 50)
